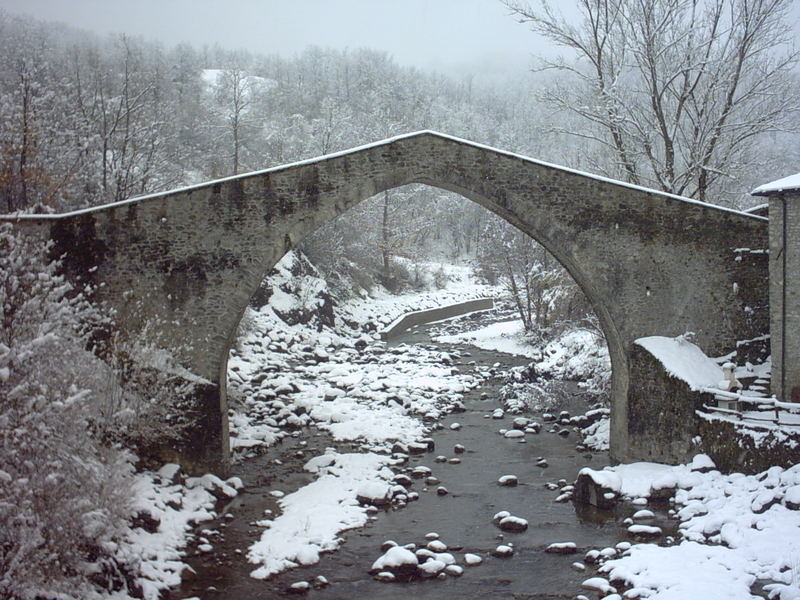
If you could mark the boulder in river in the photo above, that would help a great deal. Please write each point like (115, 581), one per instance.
(508, 480)
(598, 488)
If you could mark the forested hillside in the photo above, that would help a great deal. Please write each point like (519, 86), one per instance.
(86, 120)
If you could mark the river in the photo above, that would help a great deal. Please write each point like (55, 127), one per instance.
(462, 518)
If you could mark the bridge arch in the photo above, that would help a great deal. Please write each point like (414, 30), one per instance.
(189, 260)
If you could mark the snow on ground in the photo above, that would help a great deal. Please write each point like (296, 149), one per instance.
(171, 506)
(577, 354)
(506, 336)
(735, 529)
(314, 515)
(382, 308)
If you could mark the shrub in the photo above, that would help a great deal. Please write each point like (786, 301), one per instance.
(64, 497)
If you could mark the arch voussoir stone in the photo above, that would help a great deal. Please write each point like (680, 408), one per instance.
(185, 263)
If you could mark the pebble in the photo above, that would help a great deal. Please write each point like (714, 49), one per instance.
(503, 551)
(441, 491)
(459, 449)
(384, 576)
(454, 461)
(432, 536)
(455, 426)
(440, 459)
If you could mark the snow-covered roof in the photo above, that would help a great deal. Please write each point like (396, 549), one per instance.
(683, 360)
(785, 184)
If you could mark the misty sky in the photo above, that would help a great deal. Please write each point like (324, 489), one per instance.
(443, 34)
(448, 35)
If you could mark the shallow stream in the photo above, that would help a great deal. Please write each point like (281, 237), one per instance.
(462, 517)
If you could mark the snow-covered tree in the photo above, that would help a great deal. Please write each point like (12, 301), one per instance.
(64, 497)
(678, 91)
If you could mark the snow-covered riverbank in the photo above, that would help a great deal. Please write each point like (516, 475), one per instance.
(384, 403)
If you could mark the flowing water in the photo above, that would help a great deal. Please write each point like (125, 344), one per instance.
(462, 518)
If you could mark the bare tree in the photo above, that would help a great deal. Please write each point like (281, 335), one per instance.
(679, 90)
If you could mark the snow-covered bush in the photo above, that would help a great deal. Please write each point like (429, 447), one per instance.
(142, 403)
(578, 354)
(63, 496)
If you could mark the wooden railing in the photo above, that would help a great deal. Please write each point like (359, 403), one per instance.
(741, 406)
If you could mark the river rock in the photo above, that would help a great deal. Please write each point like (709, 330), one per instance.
(420, 472)
(508, 480)
(503, 551)
(562, 548)
(514, 434)
(472, 560)
(459, 449)
(402, 479)
(417, 448)
(301, 587)
(599, 585)
(397, 560)
(376, 493)
(513, 524)
(645, 532)
(500, 516)
(431, 568)
(592, 489)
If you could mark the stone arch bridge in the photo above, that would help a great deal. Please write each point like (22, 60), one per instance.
(187, 262)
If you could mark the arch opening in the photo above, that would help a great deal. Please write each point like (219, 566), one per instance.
(477, 218)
